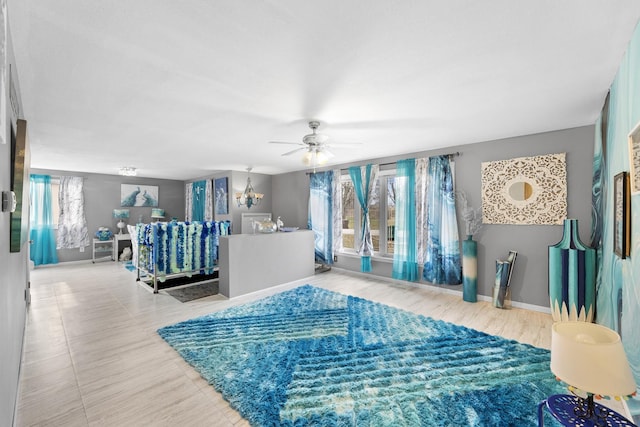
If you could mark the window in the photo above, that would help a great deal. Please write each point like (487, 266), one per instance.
(55, 204)
(349, 217)
(381, 215)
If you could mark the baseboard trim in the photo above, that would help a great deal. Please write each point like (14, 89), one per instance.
(452, 290)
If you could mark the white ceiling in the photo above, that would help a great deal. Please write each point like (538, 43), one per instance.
(181, 89)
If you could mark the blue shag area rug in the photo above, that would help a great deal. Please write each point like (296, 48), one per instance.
(312, 357)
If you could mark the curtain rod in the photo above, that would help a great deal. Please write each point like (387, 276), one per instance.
(457, 153)
(454, 154)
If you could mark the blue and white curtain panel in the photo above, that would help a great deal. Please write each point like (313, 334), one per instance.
(321, 214)
(442, 258)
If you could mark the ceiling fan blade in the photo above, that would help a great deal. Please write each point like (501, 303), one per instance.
(285, 142)
(294, 151)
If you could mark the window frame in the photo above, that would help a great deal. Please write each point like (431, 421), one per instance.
(381, 252)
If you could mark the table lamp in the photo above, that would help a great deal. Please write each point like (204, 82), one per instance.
(589, 358)
(157, 213)
(121, 215)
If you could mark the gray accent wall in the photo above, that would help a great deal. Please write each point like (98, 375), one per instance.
(237, 182)
(102, 196)
(529, 280)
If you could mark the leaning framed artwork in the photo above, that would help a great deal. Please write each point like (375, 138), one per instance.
(19, 219)
(138, 195)
(221, 196)
(621, 215)
(634, 159)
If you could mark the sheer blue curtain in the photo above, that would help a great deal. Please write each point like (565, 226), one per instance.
(42, 232)
(363, 182)
(198, 200)
(321, 214)
(442, 258)
(405, 264)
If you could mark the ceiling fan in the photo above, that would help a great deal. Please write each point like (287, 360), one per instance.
(315, 146)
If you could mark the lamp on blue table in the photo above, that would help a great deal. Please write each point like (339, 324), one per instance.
(589, 358)
(121, 215)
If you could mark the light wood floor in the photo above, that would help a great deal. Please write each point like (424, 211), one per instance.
(92, 355)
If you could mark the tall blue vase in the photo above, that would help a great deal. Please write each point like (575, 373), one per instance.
(572, 277)
(470, 270)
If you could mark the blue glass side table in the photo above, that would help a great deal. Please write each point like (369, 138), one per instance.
(562, 407)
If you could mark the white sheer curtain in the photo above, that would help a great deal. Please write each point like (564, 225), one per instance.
(422, 181)
(72, 224)
(208, 201)
(188, 201)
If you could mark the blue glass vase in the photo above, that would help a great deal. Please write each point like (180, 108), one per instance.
(470, 269)
(572, 276)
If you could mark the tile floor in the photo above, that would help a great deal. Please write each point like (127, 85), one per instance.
(92, 356)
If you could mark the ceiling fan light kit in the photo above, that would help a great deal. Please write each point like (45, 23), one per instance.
(128, 171)
(313, 158)
(314, 145)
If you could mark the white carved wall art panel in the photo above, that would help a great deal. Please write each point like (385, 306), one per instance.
(525, 190)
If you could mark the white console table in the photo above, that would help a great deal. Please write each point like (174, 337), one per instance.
(252, 262)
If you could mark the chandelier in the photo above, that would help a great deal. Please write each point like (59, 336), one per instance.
(249, 197)
(128, 171)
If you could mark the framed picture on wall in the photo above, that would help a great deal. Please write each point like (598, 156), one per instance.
(621, 215)
(221, 201)
(634, 159)
(138, 195)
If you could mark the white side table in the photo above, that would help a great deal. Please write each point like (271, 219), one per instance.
(103, 249)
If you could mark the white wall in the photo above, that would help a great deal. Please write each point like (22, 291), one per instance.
(13, 274)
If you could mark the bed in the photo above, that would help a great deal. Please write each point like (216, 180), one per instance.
(172, 249)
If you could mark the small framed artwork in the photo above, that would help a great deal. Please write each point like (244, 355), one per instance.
(138, 195)
(634, 159)
(621, 215)
(221, 196)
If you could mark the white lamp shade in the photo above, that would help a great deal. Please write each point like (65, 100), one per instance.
(308, 158)
(591, 358)
(314, 157)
